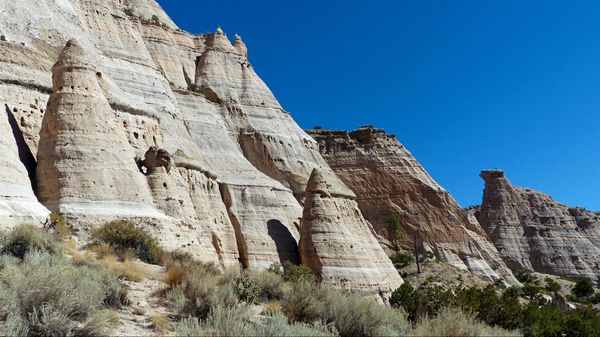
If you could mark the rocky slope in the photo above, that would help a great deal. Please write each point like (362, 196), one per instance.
(135, 118)
(389, 183)
(533, 231)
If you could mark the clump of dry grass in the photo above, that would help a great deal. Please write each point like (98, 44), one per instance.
(174, 275)
(160, 323)
(272, 307)
(128, 269)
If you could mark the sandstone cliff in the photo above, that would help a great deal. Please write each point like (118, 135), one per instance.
(338, 244)
(149, 122)
(389, 183)
(531, 230)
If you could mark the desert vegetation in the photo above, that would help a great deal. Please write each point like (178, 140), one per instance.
(50, 286)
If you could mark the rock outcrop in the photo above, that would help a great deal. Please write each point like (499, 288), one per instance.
(533, 231)
(338, 244)
(391, 186)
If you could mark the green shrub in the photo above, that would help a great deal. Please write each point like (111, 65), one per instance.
(354, 315)
(194, 88)
(525, 276)
(155, 18)
(128, 12)
(407, 298)
(552, 285)
(23, 239)
(302, 301)
(270, 285)
(583, 289)
(402, 260)
(124, 236)
(246, 289)
(453, 322)
(295, 273)
(47, 295)
(531, 290)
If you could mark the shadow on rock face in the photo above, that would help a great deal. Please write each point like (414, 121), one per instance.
(287, 247)
(25, 154)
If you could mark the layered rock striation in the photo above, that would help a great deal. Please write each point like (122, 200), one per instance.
(533, 231)
(338, 244)
(392, 188)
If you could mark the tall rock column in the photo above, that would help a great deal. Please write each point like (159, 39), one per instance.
(86, 166)
(338, 244)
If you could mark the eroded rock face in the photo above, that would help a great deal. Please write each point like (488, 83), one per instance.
(338, 244)
(18, 204)
(390, 183)
(533, 231)
(85, 163)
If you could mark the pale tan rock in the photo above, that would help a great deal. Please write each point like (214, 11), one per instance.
(85, 163)
(18, 204)
(390, 183)
(337, 242)
(533, 231)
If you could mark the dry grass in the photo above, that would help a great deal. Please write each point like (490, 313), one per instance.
(272, 307)
(128, 269)
(160, 323)
(101, 249)
(174, 275)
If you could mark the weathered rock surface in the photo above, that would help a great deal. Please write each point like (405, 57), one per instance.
(338, 244)
(18, 204)
(144, 64)
(531, 230)
(390, 183)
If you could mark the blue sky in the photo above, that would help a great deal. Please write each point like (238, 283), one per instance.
(464, 85)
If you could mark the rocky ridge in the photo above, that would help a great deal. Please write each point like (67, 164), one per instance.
(391, 184)
(533, 231)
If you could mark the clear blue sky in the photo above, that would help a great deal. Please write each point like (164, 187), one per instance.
(465, 85)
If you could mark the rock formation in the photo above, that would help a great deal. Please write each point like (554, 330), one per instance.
(391, 184)
(85, 163)
(338, 244)
(18, 204)
(533, 231)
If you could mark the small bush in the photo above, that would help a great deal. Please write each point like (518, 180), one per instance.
(583, 289)
(270, 285)
(402, 260)
(46, 295)
(124, 236)
(246, 289)
(23, 239)
(194, 88)
(295, 273)
(155, 18)
(407, 298)
(552, 285)
(128, 12)
(354, 315)
(525, 276)
(453, 322)
(302, 301)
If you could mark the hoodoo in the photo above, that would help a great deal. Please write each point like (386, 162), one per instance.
(86, 166)
(338, 244)
(533, 231)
